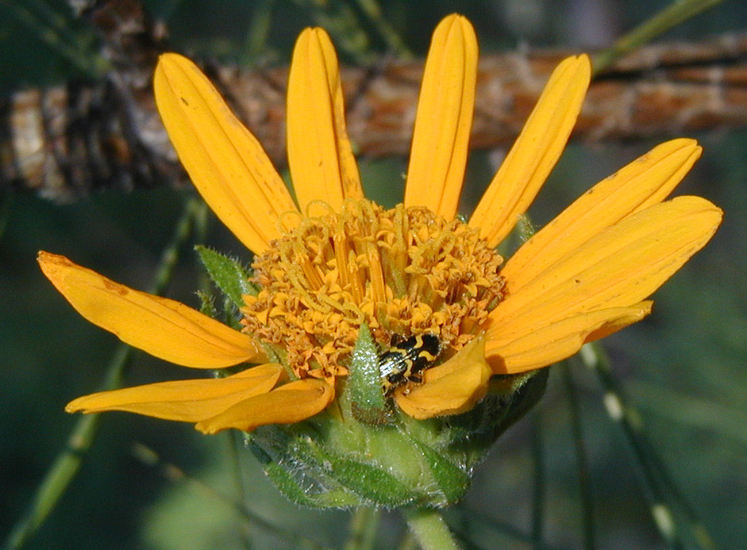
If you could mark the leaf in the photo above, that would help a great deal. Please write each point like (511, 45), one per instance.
(227, 274)
(292, 464)
(369, 482)
(368, 403)
(207, 307)
(451, 479)
(287, 484)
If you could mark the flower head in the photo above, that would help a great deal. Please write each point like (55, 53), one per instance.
(333, 265)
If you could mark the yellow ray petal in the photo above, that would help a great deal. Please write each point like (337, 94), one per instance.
(541, 345)
(320, 157)
(535, 152)
(183, 400)
(286, 404)
(162, 327)
(622, 265)
(225, 161)
(451, 388)
(642, 183)
(444, 118)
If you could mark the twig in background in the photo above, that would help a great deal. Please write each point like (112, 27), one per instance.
(68, 141)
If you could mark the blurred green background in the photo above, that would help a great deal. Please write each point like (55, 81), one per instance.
(683, 366)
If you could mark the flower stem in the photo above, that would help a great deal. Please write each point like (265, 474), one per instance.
(672, 15)
(363, 527)
(538, 492)
(234, 444)
(660, 490)
(582, 462)
(68, 461)
(430, 529)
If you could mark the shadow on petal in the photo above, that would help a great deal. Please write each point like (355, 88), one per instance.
(620, 266)
(540, 346)
(292, 402)
(183, 400)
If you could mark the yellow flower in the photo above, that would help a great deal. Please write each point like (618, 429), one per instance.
(334, 261)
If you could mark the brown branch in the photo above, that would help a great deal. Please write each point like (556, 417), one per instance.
(64, 142)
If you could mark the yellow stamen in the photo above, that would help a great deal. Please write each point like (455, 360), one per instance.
(402, 271)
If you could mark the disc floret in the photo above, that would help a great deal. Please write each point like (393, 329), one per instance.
(402, 271)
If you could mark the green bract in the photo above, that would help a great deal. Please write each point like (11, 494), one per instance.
(342, 458)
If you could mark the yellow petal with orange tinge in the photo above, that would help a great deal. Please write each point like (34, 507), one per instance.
(622, 265)
(320, 157)
(541, 345)
(162, 327)
(444, 119)
(535, 152)
(224, 160)
(642, 183)
(292, 402)
(183, 400)
(454, 387)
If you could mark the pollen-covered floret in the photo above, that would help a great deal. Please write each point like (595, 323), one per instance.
(404, 271)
